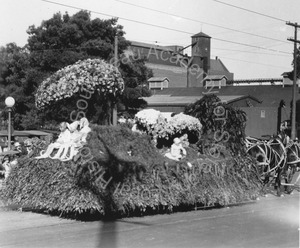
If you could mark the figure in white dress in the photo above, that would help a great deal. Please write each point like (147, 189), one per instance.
(78, 139)
(177, 151)
(69, 141)
(84, 129)
(63, 149)
(63, 137)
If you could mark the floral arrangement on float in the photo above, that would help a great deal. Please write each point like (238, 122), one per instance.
(147, 117)
(128, 177)
(89, 75)
(158, 126)
(182, 121)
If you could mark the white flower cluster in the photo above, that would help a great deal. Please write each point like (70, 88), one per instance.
(158, 126)
(90, 74)
(182, 121)
(147, 117)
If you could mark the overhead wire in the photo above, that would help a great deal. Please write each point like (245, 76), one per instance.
(215, 48)
(156, 43)
(251, 11)
(253, 46)
(162, 27)
(122, 18)
(244, 51)
(224, 57)
(202, 22)
(219, 26)
(254, 62)
(165, 43)
(181, 31)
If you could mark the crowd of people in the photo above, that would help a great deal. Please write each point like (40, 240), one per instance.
(6, 163)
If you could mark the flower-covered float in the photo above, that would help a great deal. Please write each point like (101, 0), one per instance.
(120, 172)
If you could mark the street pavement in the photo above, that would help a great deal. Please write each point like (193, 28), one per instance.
(268, 222)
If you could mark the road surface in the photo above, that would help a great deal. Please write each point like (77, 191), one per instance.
(269, 222)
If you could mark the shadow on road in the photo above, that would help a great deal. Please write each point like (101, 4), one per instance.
(134, 222)
(108, 234)
(109, 231)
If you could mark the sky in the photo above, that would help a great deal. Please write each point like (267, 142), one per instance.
(249, 36)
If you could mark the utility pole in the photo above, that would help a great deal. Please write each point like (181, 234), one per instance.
(293, 132)
(116, 51)
(114, 106)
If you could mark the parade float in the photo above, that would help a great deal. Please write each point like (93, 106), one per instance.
(118, 171)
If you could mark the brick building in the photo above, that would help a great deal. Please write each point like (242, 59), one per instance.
(185, 79)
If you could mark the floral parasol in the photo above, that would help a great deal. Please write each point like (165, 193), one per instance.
(90, 74)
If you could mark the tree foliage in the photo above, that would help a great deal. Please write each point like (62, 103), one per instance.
(64, 39)
(135, 75)
(17, 79)
(223, 125)
(291, 73)
(58, 42)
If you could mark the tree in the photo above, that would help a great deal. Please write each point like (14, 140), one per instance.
(291, 73)
(63, 40)
(15, 78)
(60, 41)
(135, 75)
(134, 71)
(223, 125)
(298, 62)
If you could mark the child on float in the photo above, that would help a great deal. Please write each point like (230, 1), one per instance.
(63, 149)
(78, 138)
(177, 151)
(63, 137)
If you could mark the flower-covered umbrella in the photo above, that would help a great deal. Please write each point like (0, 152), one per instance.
(89, 75)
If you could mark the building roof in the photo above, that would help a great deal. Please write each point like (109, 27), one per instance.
(215, 77)
(169, 100)
(201, 34)
(24, 133)
(269, 95)
(158, 79)
(37, 133)
(162, 57)
(158, 47)
(255, 80)
(289, 74)
(14, 133)
(285, 74)
(217, 65)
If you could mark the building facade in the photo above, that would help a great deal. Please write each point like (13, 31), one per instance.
(267, 102)
(180, 69)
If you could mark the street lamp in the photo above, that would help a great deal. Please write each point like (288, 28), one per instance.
(9, 102)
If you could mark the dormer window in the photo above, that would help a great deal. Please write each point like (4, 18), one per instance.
(158, 83)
